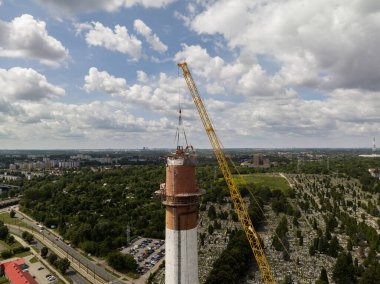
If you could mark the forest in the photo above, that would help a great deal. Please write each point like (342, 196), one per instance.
(94, 209)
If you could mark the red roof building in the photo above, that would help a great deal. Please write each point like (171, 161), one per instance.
(15, 275)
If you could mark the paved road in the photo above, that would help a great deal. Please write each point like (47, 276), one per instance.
(72, 253)
(76, 277)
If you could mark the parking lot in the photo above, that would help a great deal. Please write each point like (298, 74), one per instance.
(39, 271)
(147, 252)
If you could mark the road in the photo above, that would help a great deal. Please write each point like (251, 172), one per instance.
(76, 277)
(79, 260)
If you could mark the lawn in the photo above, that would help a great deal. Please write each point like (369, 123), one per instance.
(263, 180)
(22, 254)
(12, 221)
(3, 280)
(34, 259)
(5, 246)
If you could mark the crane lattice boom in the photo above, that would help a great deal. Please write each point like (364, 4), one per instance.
(238, 201)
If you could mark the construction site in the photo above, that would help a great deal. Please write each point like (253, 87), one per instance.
(292, 254)
(189, 142)
(215, 217)
(181, 195)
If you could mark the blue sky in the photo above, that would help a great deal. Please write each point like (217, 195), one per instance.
(103, 74)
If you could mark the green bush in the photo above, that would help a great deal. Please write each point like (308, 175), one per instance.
(6, 254)
(122, 262)
(20, 249)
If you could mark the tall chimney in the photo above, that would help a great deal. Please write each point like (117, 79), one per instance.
(180, 194)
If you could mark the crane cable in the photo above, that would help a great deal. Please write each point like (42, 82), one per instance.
(254, 198)
(258, 205)
(235, 194)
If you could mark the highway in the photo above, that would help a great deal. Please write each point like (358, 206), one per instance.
(78, 261)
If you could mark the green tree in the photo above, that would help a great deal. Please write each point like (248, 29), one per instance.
(288, 279)
(315, 225)
(28, 237)
(202, 238)
(12, 213)
(334, 247)
(280, 239)
(323, 279)
(52, 258)
(234, 261)
(3, 232)
(344, 270)
(44, 252)
(10, 239)
(349, 245)
(211, 213)
(210, 229)
(372, 274)
(122, 262)
(63, 265)
(6, 254)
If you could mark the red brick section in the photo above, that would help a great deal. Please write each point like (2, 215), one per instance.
(180, 179)
(181, 193)
(14, 273)
(181, 218)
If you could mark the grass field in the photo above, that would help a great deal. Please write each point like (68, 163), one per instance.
(6, 246)
(12, 221)
(263, 180)
(22, 254)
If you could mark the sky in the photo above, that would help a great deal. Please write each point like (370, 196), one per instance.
(96, 74)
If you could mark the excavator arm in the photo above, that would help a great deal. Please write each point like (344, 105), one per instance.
(238, 201)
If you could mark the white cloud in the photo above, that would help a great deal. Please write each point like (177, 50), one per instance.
(159, 94)
(72, 125)
(31, 115)
(330, 43)
(236, 78)
(269, 106)
(142, 76)
(102, 81)
(295, 122)
(116, 40)
(214, 88)
(27, 37)
(148, 3)
(70, 7)
(26, 116)
(151, 38)
(27, 84)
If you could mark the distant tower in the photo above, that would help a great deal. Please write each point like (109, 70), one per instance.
(374, 146)
(180, 194)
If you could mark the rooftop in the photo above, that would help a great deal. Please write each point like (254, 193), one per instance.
(15, 274)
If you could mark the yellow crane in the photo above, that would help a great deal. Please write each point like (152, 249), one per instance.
(238, 201)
